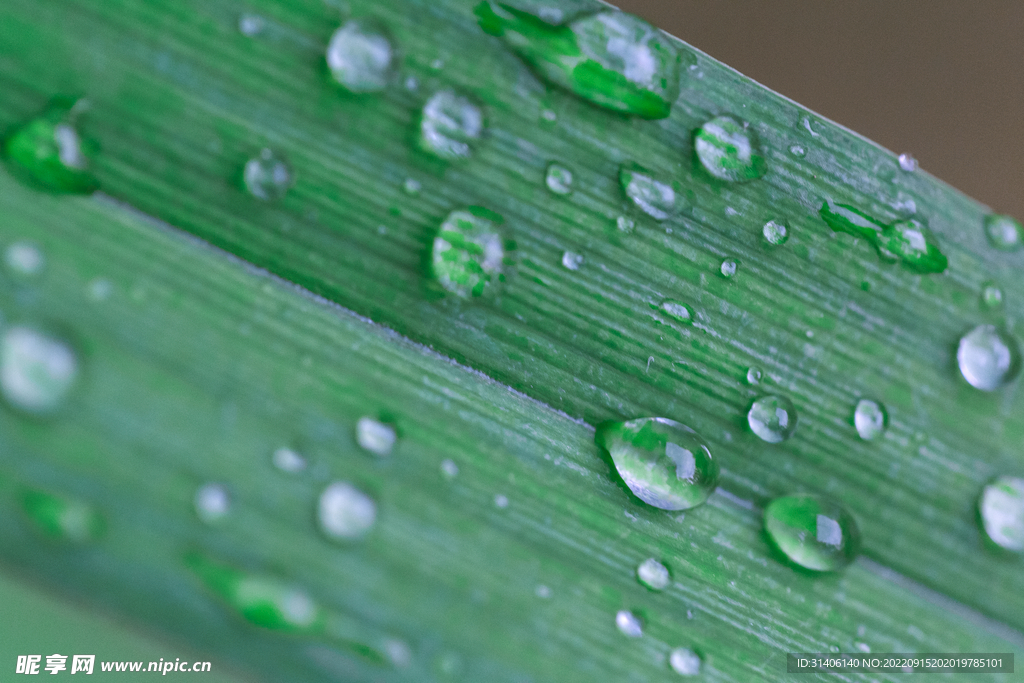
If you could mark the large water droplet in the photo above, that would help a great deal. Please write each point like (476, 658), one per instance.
(629, 624)
(815, 533)
(664, 463)
(684, 662)
(375, 436)
(729, 150)
(870, 419)
(988, 357)
(212, 502)
(1002, 512)
(345, 512)
(37, 370)
(449, 125)
(62, 517)
(360, 56)
(908, 240)
(558, 179)
(267, 176)
(772, 418)
(657, 199)
(677, 310)
(775, 232)
(468, 251)
(609, 58)
(1003, 232)
(48, 153)
(24, 259)
(653, 574)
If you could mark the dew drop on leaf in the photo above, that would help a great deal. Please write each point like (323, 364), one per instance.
(287, 460)
(907, 163)
(212, 502)
(684, 661)
(48, 153)
(24, 259)
(870, 419)
(729, 150)
(449, 125)
(629, 624)
(558, 179)
(772, 418)
(988, 357)
(656, 198)
(62, 517)
(775, 232)
(1003, 232)
(753, 376)
(360, 56)
(467, 253)
(813, 532)
(37, 370)
(677, 310)
(653, 574)
(991, 296)
(1002, 512)
(267, 176)
(728, 268)
(344, 512)
(375, 436)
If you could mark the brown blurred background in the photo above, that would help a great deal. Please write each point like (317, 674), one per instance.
(940, 79)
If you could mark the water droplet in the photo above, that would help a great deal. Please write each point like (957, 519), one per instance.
(558, 179)
(988, 357)
(679, 311)
(375, 436)
(287, 460)
(772, 418)
(212, 502)
(571, 260)
(360, 56)
(449, 469)
(729, 150)
(664, 463)
(815, 533)
(870, 419)
(626, 225)
(37, 370)
(991, 296)
(543, 592)
(1003, 232)
(411, 187)
(908, 240)
(251, 24)
(265, 601)
(728, 268)
(411, 84)
(653, 574)
(24, 259)
(775, 232)
(1002, 512)
(48, 153)
(468, 251)
(449, 125)
(100, 289)
(267, 176)
(657, 199)
(629, 624)
(345, 512)
(500, 501)
(753, 376)
(684, 662)
(844, 218)
(62, 517)
(609, 58)
(799, 151)
(549, 116)
(907, 163)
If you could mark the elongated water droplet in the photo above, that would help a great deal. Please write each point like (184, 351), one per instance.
(653, 574)
(845, 218)
(775, 232)
(753, 376)
(677, 310)
(449, 125)
(375, 436)
(571, 260)
(212, 502)
(265, 601)
(729, 150)
(684, 661)
(24, 259)
(360, 56)
(664, 463)
(1002, 512)
(267, 176)
(870, 419)
(345, 512)
(815, 533)
(37, 370)
(287, 460)
(629, 624)
(657, 199)
(1003, 232)
(911, 242)
(48, 153)
(468, 251)
(907, 163)
(62, 517)
(611, 59)
(558, 179)
(772, 418)
(991, 296)
(728, 268)
(988, 357)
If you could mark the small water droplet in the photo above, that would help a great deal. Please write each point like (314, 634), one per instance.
(653, 574)
(626, 225)
(100, 289)
(664, 463)
(677, 310)
(907, 163)
(549, 116)
(753, 376)
(24, 259)
(37, 370)
(991, 296)
(345, 512)
(48, 153)
(411, 186)
(468, 251)
(729, 150)
(212, 503)
(684, 662)
(251, 24)
(772, 418)
(1003, 232)
(815, 533)
(449, 469)
(629, 624)
(62, 517)
(1002, 512)
(360, 56)
(728, 268)
(609, 58)
(799, 151)
(267, 176)
(988, 357)
(870, 419)
(657, 199)
(411, 84)
(775, 232)
(558, 179)
(501, 501)
(437, 64)
(449, 125)
(571, 260)
(863, 647)
(543, 592)
(287, 460)
(375, 436)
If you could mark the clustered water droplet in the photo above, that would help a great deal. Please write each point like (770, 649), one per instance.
(653, 574)
(558, 179)
(729, 150)
(989, 357)
(813, 532)
(37, 370)
(468, 252)
(1002, 512)
(375, 436)
(360, 56)
(772, 418)
(449, 125)
(267, 176)
(870, 419)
